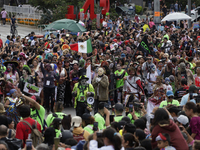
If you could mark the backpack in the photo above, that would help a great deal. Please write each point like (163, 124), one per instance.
(36, 135)
(79, 137)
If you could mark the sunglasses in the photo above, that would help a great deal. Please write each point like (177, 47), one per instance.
(170, 97)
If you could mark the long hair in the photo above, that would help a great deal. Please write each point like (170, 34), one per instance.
(160, 116)
(113, 138)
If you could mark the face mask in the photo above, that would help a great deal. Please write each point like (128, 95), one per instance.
(167, 82)
(83, 82)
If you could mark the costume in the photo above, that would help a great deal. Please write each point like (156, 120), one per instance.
(12, 110)
(133, 86)
(101, 85)
(81, 91)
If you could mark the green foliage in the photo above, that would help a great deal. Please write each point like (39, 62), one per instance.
(113, 14)
(138, 9)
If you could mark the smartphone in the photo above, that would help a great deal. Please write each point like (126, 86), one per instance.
(56, 142)
(142, 98)
(191, 96)
(130, 106)
(95, 126)
(29, 144)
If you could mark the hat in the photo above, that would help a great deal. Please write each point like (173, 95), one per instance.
(119, 107)
(11, 91)
(74, 62)
(115, 40)
(27, 68)
(83, 77)
(118, 34)
(2, 109)
(86, 116)
(33, 97)
(126, 42)
(139, 56)
(169, 93)
(183, 119)
(192, 88)
(182, 65)
(123, 55)
(11, 62)
(76, 121)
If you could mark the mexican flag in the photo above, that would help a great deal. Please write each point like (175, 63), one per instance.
(82, 47)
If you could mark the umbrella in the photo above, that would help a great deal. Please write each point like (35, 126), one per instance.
(176, 16)
(59, 24)
(75, 27)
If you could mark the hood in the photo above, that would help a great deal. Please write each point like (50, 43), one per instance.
(78, 130)
(170, 127)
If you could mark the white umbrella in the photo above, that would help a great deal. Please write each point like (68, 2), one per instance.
(176, 16)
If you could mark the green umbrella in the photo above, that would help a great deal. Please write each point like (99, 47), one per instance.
(75, 27)
(59, 24)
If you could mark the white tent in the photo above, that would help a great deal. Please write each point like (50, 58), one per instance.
(176, 16)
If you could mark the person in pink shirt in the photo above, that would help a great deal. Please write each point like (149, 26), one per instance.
(151, 23)
(3, 18)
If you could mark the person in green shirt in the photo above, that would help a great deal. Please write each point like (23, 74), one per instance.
(170, 100)
(119, 74)
(56, 125)
(87, 122)
(102, 123)
(37, 110)
(134, 115)
(118, 112)
(58, 108)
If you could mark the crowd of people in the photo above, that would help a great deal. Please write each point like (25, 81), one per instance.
(142, 91)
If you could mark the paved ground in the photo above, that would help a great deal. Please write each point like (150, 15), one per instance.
(22, 31)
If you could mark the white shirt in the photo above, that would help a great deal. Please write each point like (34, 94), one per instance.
(151, 77)
(94, 146)
(169, 87)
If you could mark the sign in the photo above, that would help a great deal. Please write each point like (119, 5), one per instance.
(157, 14)
(32, 89)
(196, 25)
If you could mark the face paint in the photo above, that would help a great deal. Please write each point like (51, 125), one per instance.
(153, 69)
(100, 71)
(9, 68)
(83, 82)
(24, 73)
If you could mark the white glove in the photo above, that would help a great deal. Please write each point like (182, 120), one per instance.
(98, 79)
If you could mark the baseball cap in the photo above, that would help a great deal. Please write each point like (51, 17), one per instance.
(139, 56)
(119, 107)
(192, 88)
(169, 93)
(86, 116)
(121, 124)
(183, 119)
(76, 121)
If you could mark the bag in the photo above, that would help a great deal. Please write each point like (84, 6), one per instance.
(44, 125)
(36, 135)
(14, 144)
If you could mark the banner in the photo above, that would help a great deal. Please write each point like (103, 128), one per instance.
(32, 89)
(196, 25)
(144, 46)
(98, 21)
(88, 74)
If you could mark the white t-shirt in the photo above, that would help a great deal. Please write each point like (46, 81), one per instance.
(169, 87)
(151, 77)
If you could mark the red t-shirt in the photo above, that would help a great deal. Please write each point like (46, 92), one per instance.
(23, 130)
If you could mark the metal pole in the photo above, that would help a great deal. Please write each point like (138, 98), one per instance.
(157, 12)
(189, 13)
